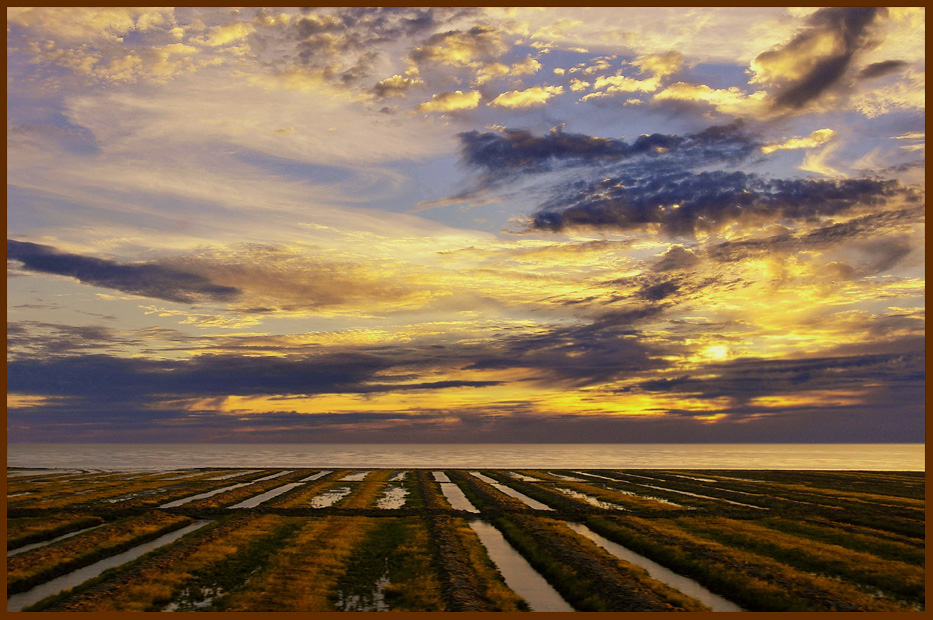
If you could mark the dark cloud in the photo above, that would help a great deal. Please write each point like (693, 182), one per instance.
(343, 44)
(894, 222)
(681, 203)
(744, 379)
(515, 152)
(675, 258)
(145, 279)
(879, 69)
(850, 27)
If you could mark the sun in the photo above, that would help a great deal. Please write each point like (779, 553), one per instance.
(716, 352)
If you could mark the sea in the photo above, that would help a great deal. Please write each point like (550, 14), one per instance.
(157, 457)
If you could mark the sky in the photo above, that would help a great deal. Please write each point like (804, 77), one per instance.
(559, 225)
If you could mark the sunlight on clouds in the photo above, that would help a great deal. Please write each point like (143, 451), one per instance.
(730, 100)
(817, 138)
(531, 97)
(451, 101)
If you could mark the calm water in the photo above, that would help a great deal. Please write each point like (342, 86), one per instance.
(134, 457)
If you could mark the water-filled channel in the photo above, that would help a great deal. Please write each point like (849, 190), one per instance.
(533, 503)
(18, 601)
(26, 548)
(252, 502)
(683, 584)
(456, 497)
(517, 572)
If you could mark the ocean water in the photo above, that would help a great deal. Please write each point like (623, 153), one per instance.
(139, 457)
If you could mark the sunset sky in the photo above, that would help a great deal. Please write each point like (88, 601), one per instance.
(465, 225)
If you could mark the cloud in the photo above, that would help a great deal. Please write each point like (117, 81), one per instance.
(456, 48)
(817, 138)
(730, 100)
(879, 69)
(395, 86)
(145, 279)
(451, 102)
(816, 59)
(683, 203)
(528, 98)
(516, 152)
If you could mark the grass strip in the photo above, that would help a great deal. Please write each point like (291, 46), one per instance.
(235, 496)
(301, 576)
(896, 579)
(858, 539)
(392, 569)
(483, 495)
(31, 568)
(752, 581)
(366, 493)
(471, 580)
(220, 555)
(30, 530)
(587, 576)
(301, 497)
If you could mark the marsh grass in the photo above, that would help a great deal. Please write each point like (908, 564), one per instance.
(235, 496)
(896, 579)
(399, 550)
(586, 575)
(753, 581)
(301, 575)
(39, 565)
(30, 530)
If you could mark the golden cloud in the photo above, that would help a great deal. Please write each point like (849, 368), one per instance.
(817, 138)
(451, 102)
(534, 96)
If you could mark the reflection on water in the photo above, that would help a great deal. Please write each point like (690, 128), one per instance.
(440, 476)
(329, 498)
(517, 572)
(533, 503)
(687, 586)
(316, 476)
(358, 476)
(399, 477)
(252, 502)
(134, 457)
(589, 499)
(457, 499)
(394, 498)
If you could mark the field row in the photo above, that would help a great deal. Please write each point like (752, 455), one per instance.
(600, 540)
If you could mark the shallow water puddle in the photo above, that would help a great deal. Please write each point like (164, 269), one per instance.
(456, 497)
(235, 474)
(373, 600)
(394, 498)
(532, 503)
(356, 476)
(330, 497)
(18, 601)
(589, 499)
(517, 572)
(191, 601)
(440, 476)
(683, 584)
(522, 477)
(399, 477)
(717, 499)
(263, 497)
(32, 546)
(567, 478)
